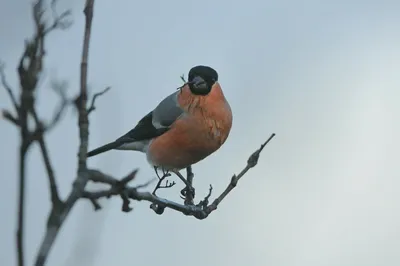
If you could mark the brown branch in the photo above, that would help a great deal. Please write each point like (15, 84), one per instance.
(40, 129)
(92, 105)
(54, 195)
(189, 192)
(57, 215)
(160, 181)
(59, 88)
(21, 204)
(28, 78)
(205, 201)
(251, 162)
(199, 211)
(29, 70)
(117, 186)
(8, 116)
(60, 21)
(8, 87)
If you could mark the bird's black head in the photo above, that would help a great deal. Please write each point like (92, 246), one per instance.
(201, 79)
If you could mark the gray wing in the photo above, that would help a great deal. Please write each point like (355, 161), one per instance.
(154, 124)
(157, 122)
(167, 111)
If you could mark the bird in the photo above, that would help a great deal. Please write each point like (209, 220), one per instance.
(184, 128)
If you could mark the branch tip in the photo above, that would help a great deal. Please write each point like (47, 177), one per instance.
(253, 159)
(124, 181)
(9, 117)
(95, 96)
(7, 87)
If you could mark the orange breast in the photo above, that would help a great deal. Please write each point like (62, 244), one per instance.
(200, 132)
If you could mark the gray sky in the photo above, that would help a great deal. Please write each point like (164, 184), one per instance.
(322, 75)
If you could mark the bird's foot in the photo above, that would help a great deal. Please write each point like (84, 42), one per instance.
(186, 190)
(188, 194)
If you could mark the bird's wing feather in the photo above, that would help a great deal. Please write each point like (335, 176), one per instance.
(167, 111)
(152, 125)
(156, 122)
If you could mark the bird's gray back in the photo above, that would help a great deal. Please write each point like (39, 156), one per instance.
(167, 111)
(152, 125)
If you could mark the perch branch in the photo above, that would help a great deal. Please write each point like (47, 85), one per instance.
(199, 211)
(251, 162)
(190, 192)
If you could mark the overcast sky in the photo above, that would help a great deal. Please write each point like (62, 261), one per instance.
(323, 75)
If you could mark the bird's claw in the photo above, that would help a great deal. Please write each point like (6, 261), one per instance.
(184, 192)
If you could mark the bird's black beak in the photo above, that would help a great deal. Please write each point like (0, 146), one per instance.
(199, 83)
(199, 86)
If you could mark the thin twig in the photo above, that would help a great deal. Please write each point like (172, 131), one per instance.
(161, 179)
(8, 88)
(59, 88)
(251, 162)
(8, 116)
(205, 201)
(189, 192)
(116, 185)
(92, 105)
(55, 198)
(60, 21)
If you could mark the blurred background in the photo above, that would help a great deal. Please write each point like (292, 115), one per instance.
(323, 75)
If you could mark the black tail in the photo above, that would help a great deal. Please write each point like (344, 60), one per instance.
(104, 148)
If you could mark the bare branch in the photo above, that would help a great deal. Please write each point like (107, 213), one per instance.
(57, 215)
(203, 204)
(8, 87)
(184, 180)
(161, 179)
(199, 211)
(29, 70)
(98, 177)
(117, 188)
(95, 203)
(21, 203)
(92, 105)
(251, 162)
(159, 203)
(55, 198)
(59, 88)
(60, 21)
(8, 116)
(189, 193)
